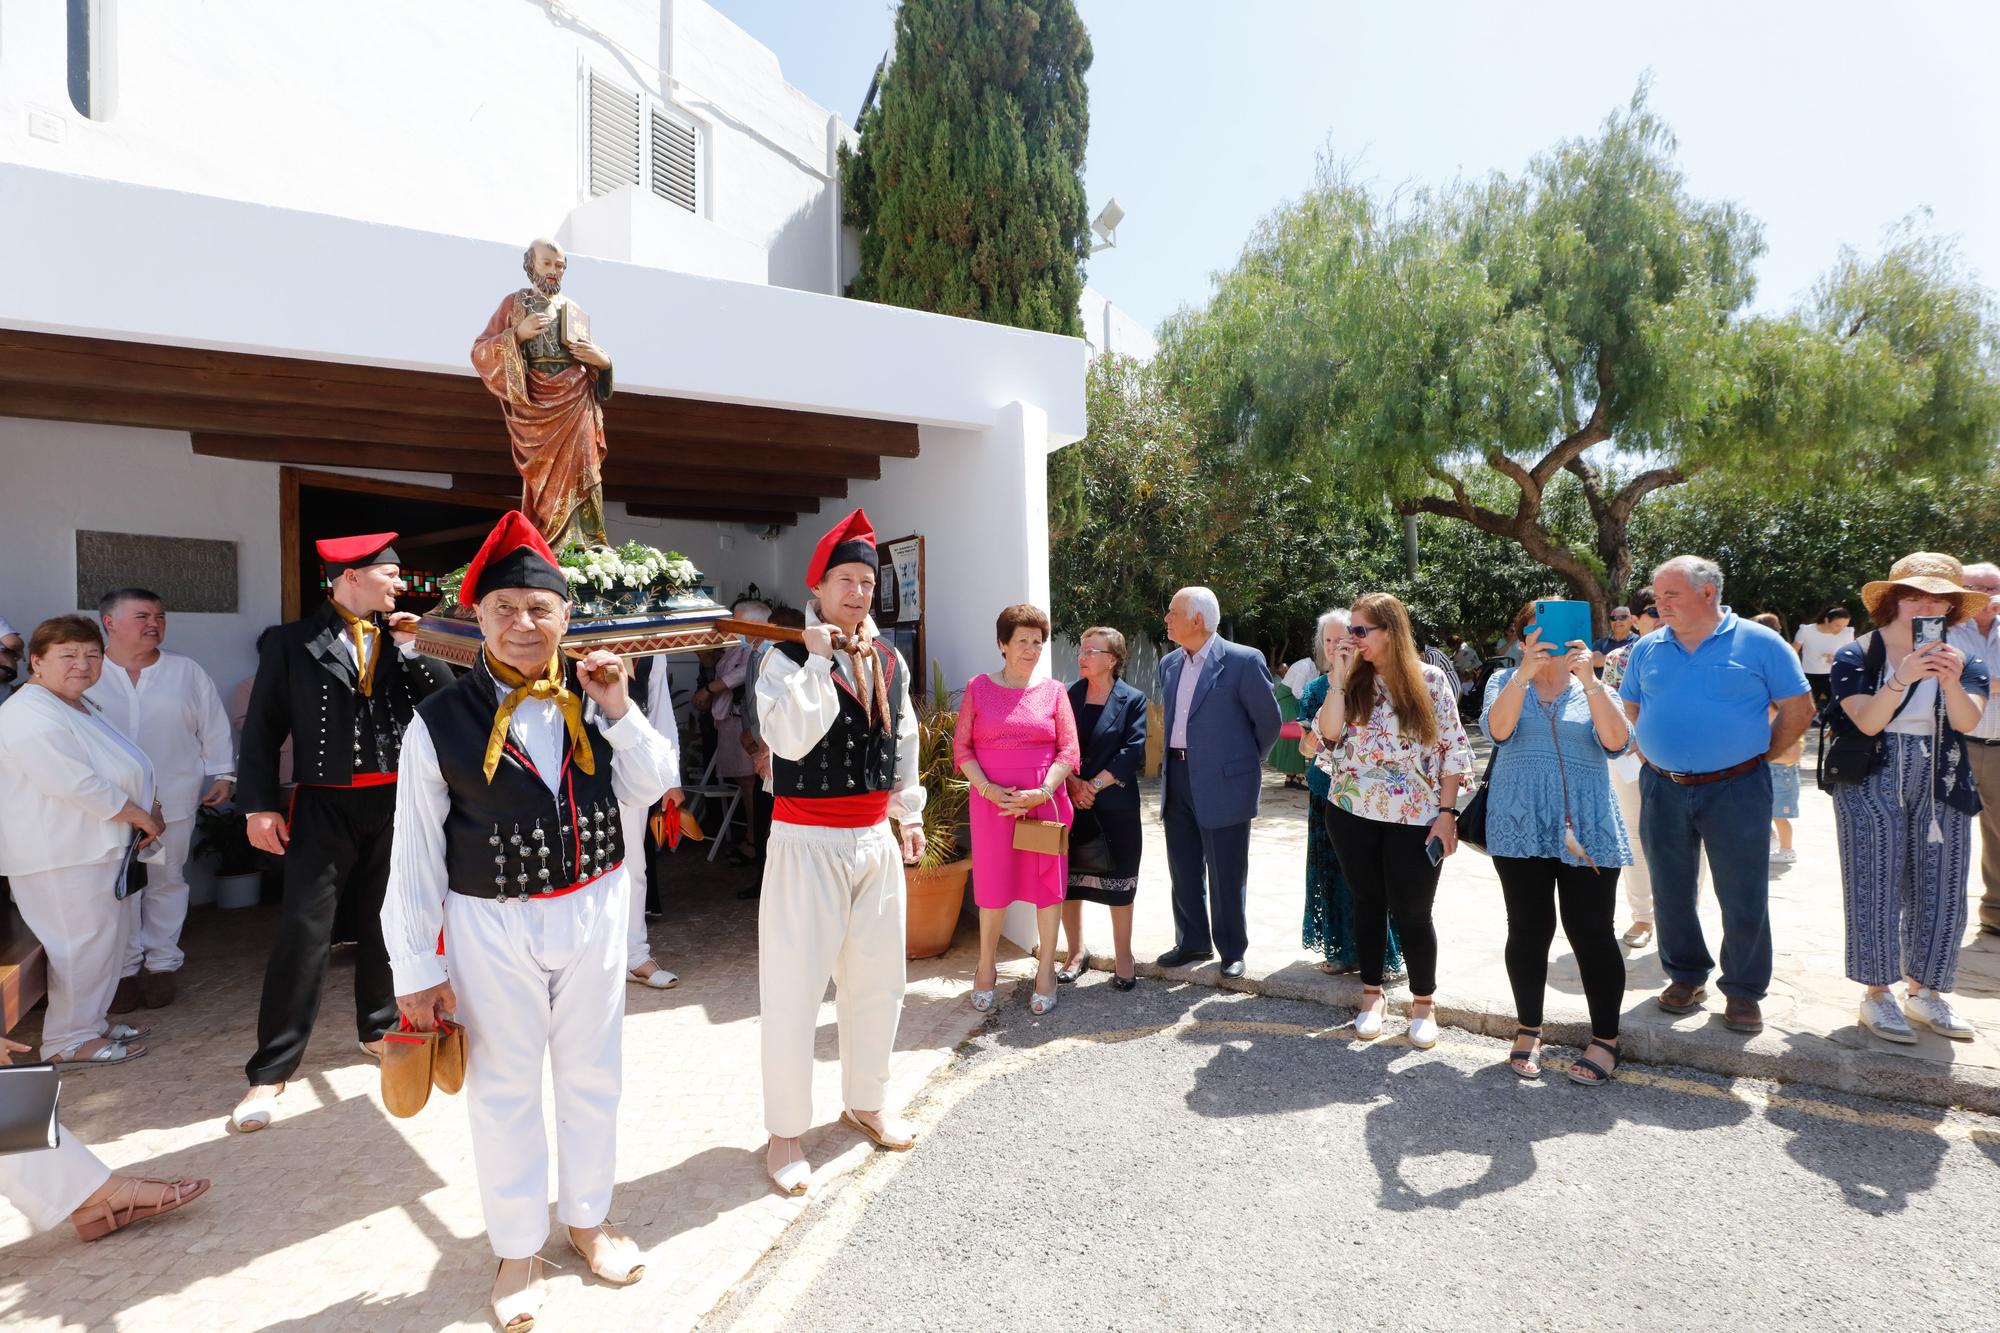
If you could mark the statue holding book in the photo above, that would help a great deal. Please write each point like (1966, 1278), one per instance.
(536, 356)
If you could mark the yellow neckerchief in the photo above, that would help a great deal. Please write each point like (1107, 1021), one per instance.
(364, 631)
(551, 686)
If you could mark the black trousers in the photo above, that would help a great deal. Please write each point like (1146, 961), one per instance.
(339, 849)
(1389, 876)
(1533, 887)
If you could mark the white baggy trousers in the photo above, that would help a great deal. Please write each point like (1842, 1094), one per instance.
(832, 906)
(48, 1186)
(84, 931)
(162, 906)
(535, 977)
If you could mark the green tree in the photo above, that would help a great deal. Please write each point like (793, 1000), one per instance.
(1147, 503)
(1799, 553)
(967, 189)
(1127, 517)
(1461, 350)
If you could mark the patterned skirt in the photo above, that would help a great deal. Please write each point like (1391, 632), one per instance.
(1329, 916)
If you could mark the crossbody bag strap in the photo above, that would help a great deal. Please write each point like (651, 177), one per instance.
(1562, 775)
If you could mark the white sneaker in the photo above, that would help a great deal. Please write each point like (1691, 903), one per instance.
(1784, 856)
(1882, 1016)
(1368, 1023)
(1931, 1009)
(1424, 1031)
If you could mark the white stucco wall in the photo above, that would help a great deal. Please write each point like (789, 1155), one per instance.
(459, 116)
(283, 280)
(972, 496)
(1110, 329)
(60, 476)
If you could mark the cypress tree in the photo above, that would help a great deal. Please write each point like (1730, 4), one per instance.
(967, 189)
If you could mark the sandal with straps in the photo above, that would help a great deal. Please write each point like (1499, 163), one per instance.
(1523, 1063)
(1598, 1075)
(108, 1052)
(516, 1310)
(1368, 1022)
(606, 1267)
(121, 1208)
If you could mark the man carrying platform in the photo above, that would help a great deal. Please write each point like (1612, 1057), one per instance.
(835, 711)
(332, 683)
(511, 845)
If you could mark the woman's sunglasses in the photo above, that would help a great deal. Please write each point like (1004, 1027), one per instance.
(1363, 631)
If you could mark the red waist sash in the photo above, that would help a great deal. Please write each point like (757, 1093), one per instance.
(865, 810)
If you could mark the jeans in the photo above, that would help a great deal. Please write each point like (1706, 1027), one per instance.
(1732, 819)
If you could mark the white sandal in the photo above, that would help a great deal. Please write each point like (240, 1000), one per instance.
(112, 1052)
(621, 1267)
(517, 1310)
(253, 1113)
(794, 1177)
(658, 979)
(1041, 1004)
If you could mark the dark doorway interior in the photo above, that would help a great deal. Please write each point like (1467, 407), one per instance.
(436, 536)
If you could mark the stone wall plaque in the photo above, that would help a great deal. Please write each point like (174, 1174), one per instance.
(189, 573)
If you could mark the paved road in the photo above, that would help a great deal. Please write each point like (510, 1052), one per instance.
(1182, 1158)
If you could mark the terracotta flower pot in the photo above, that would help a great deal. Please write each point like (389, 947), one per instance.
(932, 901)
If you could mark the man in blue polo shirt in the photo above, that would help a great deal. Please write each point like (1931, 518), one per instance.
(1699, 692)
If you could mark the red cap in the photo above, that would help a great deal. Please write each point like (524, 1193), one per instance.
(342, 553)
(514, 556)
(852, 541)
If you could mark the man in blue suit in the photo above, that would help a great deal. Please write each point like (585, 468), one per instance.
(1222, 719)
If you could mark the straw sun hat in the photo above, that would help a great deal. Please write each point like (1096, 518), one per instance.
(1926, 571)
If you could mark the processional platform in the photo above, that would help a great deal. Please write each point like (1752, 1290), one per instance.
(687, 624)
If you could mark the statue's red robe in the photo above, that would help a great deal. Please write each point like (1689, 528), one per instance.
(554, 420)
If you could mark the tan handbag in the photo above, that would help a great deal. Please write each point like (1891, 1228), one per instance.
(1048, 836)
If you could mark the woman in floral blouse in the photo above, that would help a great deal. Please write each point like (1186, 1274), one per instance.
(1397, 751)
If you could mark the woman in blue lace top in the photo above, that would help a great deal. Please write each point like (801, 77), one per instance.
(1556, 837)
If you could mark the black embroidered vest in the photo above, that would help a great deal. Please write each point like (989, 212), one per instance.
(513, 837)
(853, 757)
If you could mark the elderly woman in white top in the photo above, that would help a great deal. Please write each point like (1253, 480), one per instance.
(74, 794)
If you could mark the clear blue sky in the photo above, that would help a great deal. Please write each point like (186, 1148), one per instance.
(1828, 121)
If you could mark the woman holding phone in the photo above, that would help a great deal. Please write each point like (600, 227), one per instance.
(1397, 751)
(1905, 829)
(1557, 840)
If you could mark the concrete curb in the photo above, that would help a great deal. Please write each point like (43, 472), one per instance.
(1650, 1036)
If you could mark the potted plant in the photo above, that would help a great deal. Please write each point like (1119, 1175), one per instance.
(934, 888)
(223, 841)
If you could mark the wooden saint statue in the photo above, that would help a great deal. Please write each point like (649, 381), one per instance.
(537, 358)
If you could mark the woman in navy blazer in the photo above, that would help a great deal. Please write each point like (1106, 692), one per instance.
(1111, 734)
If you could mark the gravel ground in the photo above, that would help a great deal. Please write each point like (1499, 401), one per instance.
(1219, 1173)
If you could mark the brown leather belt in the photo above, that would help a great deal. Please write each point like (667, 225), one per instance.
(1702, 779)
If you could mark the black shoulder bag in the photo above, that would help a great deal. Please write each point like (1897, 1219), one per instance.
(1853, 753)
(1472, 819)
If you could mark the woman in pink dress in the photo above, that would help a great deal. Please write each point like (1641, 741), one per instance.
(1016, 743)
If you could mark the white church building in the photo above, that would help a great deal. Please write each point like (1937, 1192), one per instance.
(250, 246)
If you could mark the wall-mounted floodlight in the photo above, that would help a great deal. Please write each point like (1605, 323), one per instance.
(1106, 225)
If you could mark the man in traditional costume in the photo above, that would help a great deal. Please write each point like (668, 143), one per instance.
(837, 716)
(537, 358)
(333, 684)
(510, 843)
